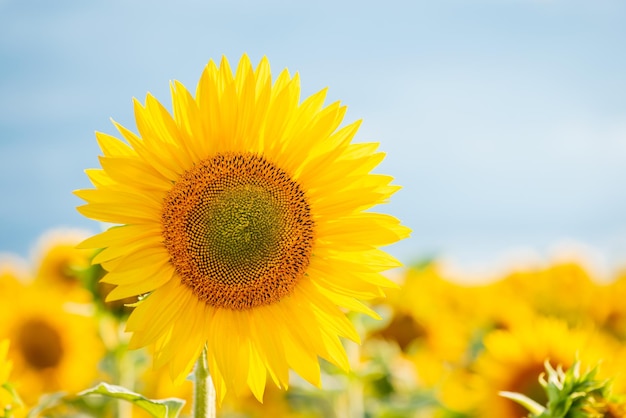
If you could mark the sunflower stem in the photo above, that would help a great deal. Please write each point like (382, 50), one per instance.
(355, 385)
(203, 389)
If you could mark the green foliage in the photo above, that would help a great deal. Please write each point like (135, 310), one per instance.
(165, 408)
(16, 401)
(568, 392)
(46, 402)
(532, 406)
(571, 393)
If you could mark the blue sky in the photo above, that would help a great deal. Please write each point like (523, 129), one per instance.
(503, 120)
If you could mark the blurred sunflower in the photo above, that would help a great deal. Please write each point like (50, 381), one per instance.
(244, 217)
(501, 304)
(51, 349)
(513, 359)
(13, 272)
(428, 314)
(58, 263)
(563, 289)
(435, 322)
(611, 313)
(6, 398)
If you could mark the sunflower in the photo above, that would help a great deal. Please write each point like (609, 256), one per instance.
(51, 348)
(432, 324)
(244, 216)
(58, 263)
(513, 359)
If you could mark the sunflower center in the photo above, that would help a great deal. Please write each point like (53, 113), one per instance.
(40, 344)
(239, 231)
(243, 227)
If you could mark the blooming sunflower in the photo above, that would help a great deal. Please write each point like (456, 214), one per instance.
(244, 217)
(51, 348)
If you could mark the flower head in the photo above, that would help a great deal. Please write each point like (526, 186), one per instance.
(51, 348)
(59, 264)
(244, 216)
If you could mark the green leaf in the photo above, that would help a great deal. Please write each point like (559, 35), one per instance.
(532, 406)
(164, 408)
(45, 402)
(16, 398)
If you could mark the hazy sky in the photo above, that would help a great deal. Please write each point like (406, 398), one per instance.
(503, 120)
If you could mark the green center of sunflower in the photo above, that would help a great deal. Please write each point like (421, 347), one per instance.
(239, 231)
(243, 228)
(40, 344)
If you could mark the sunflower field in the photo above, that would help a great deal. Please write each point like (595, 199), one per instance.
(442, 348)
(241, 272)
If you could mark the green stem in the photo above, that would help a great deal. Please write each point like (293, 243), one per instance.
(203, 390)
(355, 386)
(350, 403)
(126, 363)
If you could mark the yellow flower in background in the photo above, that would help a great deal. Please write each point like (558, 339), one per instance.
(434, 321)
(58, 262)
(429, 315)
(563, 289)
(6, 398)
(610, 310)
(275, 404)
(244, 217)
(13, 273)
(501, 305)
(459, 390)
(5, 363)
(513, 359)
(51, 349)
